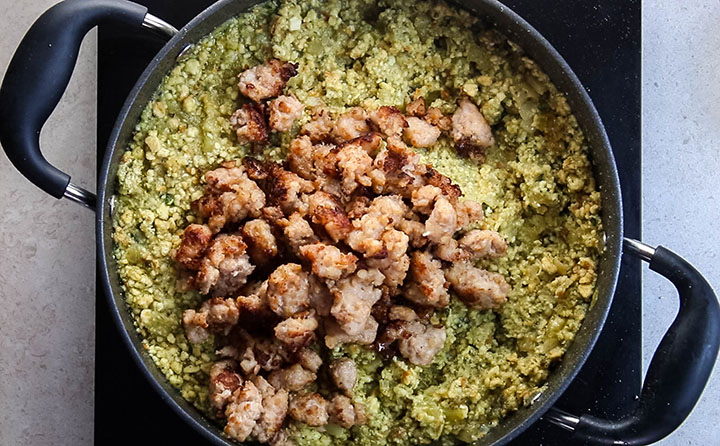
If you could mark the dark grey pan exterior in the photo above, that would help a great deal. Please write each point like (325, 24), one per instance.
(537, 48)
(42, 66)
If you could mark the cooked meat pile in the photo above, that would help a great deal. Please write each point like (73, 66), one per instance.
(352, 240)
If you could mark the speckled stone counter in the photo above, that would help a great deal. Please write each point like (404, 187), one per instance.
(47, 251)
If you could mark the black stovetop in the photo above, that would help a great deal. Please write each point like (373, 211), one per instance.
(601, 42)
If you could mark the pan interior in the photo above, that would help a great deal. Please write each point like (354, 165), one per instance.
(538, 50)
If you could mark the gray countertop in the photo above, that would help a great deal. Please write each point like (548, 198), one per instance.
(47, 252)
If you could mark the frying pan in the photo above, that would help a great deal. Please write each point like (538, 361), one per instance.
(39, 73)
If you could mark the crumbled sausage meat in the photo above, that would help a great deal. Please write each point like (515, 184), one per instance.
(253, 299)
(262, 245)
(392, 261)
(384, 212)
(416, 107)
(249, 123)
(248, 362)
(434, 178)
(351, 124)
(275, 407)
(288, 289)
(328, 177)
(309, 359)
(255, 169)
(483, 243)
(228, 352)
(298, 232)
(389, 120)
(321, 199)
(282, 438)
(293, 378)
(223, 382)
(267, 80)
(249, 352)
(221, 209)
(344, 374)
(379, 205)
(194, 242)
(321, 299)
(226, 266)
(243, 411)
(270, 354)
(325, 210)
(285, 189)
(449, 250)
(422, 342)
(358, 206)
(354, 297)
(467, 148)
(328, 262)
(301, 157)
(320, 126)
(470, 130)
(427, 281)
(310, 408)
(196, 326)
(389, 209)
(232, 197)
(423, 199)
(325, 163)
(226, 178)
(342, 411)
(241, 344)
(284, 110)
(435, 117)
(360, 414)
(420, 133)
(442, 222)
(468, 212)
(401, 313)
(275, 216)
(476, 287)
(216, 315)
(297, 331)
(256, 288)
(335, 335)
(414, 230)
(369, 142)
(222, 313)
(402, 170)
(354, 164)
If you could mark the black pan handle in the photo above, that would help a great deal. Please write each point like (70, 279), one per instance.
(39, 74)
(679, 369)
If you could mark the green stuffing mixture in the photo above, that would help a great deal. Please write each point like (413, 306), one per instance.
(536, 188)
